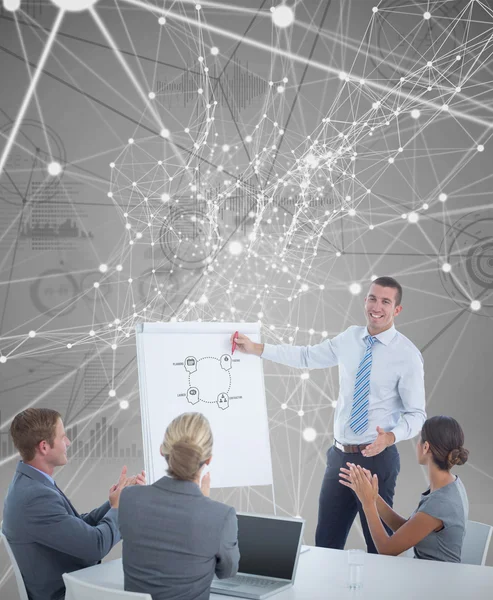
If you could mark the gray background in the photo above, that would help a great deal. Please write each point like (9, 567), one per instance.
(55, 232)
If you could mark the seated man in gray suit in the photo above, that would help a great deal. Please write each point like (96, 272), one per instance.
(47, 535)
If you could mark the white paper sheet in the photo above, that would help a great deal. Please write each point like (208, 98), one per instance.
(188, 367)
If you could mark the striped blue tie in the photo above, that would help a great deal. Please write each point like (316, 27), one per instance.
(358, 419)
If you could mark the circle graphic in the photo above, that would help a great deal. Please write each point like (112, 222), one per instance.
(467, 250)
(187, 239)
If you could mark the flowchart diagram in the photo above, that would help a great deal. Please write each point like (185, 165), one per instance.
(193, 365)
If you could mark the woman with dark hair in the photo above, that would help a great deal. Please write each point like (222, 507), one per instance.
(436, 528)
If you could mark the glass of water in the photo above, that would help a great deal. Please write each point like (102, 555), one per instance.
(356, 560)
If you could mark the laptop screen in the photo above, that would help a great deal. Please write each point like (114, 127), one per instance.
(268, 546)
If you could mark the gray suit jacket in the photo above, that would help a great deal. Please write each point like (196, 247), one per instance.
(175, 539)
(48, 536)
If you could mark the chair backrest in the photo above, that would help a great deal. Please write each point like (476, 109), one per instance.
(18, 576)
(82, 590)
(476, 543)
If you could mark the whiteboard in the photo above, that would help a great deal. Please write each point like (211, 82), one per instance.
(188, 367)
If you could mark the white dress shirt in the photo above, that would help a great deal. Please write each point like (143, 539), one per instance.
(397, 392)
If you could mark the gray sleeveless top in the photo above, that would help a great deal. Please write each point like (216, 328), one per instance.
(450, 505)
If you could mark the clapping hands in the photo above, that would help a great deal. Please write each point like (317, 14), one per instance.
(361, 481)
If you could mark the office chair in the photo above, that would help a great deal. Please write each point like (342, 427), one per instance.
(18, 576)
(82, 590)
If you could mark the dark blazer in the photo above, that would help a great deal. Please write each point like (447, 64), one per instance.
(175, 539)
(48, 536)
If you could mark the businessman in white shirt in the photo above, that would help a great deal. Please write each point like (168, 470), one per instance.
(381, 402)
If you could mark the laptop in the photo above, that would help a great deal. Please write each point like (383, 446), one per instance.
(269, 551)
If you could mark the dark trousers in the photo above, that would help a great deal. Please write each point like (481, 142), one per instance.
(338, 504)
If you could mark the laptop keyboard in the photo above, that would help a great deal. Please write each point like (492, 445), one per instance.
(245, 580)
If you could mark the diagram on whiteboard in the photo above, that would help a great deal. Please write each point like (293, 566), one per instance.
(209, 380)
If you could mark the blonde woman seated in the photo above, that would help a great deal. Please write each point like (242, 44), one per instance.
(175, 538)
(436, 528)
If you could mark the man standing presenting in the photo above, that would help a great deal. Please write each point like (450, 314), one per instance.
(381, 402)
(47, 535)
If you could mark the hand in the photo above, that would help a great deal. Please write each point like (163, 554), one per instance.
(205, 485)
(139, 479)
(384, 439)
(245, 344)
(346, 473)
(116, 489)
(357, 479)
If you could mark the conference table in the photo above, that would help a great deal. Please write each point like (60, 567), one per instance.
(323, 574)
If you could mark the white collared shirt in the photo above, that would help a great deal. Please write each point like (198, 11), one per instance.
(397, 392)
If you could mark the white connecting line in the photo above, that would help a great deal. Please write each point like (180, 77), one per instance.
(30, 90)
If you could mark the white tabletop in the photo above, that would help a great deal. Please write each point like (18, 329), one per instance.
(322, 575)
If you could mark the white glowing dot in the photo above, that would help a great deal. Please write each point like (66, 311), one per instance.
(325, 334)
(3, 359)
(311, 331)
(214, 50)
(103, 268)
(309, 434)
(413, 217)
(165, 133)
(280, 89)
(427, 15)
(480, 148)
(338, 253)
(165, 197)
(391, 160)
(282, 16)
(446, 267)
(92, 333)
(198, 7)
(458, 89)
(112, 393)
(475, 305)
(11, 5)
(112, 165)
(32, 334)
(375, 9)
(415, 114)
(442, 197)
(351, 212)
(96, 284)
(74, 5)
(124, 404)
(151, 95)
(161, 21)
(342, 75)
(304, 287)
(200, 91)
(119, 267)
(113, 346)
(248, 139)
(225, 148)
(373, 277)
(283, 406)
(69, 346)
(301, 413)
(54, 169)
(305, 376)
(333, 403)
(355, 288)
(429, 63)
(426, 206)
(203, 299)
(235, 248)
(131, 141)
